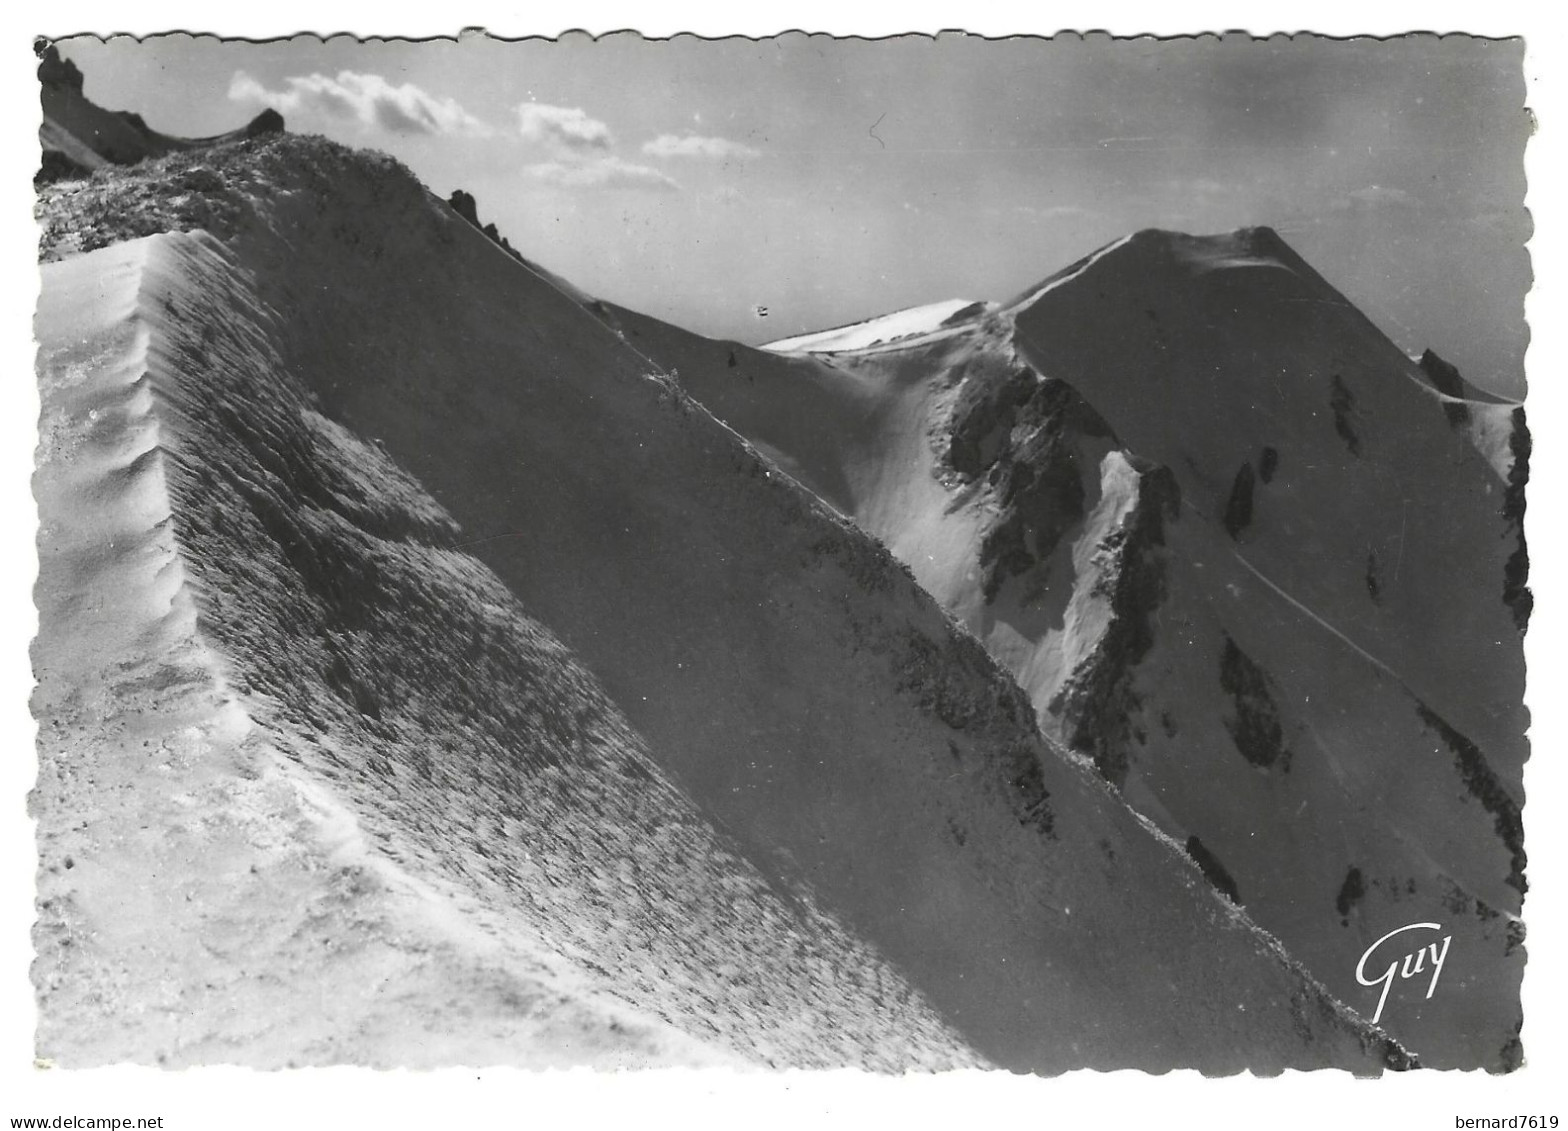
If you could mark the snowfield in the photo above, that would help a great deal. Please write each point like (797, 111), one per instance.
(901, 324)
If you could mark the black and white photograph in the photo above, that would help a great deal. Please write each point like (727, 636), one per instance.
(937, 556)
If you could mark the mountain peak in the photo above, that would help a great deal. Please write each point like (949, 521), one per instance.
(1159, 487)
(1241, 248)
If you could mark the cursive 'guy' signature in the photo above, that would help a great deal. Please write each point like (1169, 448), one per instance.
(1413, 963)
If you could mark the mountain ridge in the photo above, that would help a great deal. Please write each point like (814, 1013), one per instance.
(600, 579)
(1322, 515)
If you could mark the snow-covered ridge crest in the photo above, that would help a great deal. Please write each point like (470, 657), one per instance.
(884, 329)
(422, 720)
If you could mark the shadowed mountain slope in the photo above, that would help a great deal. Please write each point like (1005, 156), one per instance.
(1242, 555)
(883, 792)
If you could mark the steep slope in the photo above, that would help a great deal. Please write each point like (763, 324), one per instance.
(866, 756)
(1258, 351)
(1230, 541)
(1357, 555)
(397, 795)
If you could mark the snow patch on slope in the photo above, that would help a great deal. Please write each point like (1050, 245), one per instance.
(887, 328)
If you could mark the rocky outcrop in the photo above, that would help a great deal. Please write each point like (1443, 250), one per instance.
(1483, 784)
(1238, 509)
(464, 204)
(1098, 703)
(1254, 719)
(1445, 379)
(1032, 441)
(78, 136)
(55, 71)
(269, 121)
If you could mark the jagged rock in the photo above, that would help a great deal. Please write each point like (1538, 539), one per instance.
(464, 205)
(78, 136)
(55, 71)
(1446, 380)
(269, 121)
(1445, 377)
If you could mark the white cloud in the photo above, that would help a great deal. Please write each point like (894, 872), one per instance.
(565, 127)
(600, 172)
(692, 145)
(369, 99)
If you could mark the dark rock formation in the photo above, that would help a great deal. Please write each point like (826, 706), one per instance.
(1255, 727)
(1238, 510)
(1033, 439)
(1350, 894)
(1268, 464)
(55, 71)
(1098, 702)
(1444, 376)
(56, 166)
(269, 121)
(1482, 782)
(464, 204)
(1343, 402)
(1445, 379)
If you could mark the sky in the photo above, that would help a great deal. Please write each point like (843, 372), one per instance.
(826, 180)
